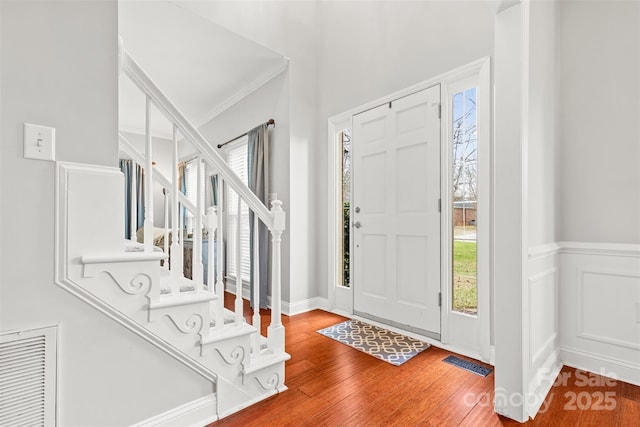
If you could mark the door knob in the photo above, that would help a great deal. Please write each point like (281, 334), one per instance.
(357, 224)
(357, 209)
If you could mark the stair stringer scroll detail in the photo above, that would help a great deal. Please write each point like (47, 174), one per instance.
(84, 197)
(93, 266)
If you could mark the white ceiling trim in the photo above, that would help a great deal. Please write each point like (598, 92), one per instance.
(206, 117)
(245, 91)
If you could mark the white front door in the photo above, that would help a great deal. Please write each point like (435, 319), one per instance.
(395, 212)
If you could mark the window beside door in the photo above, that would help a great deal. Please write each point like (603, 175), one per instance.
(465, 201)
(344, 237)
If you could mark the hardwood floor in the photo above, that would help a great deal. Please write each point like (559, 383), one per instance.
(331, 384)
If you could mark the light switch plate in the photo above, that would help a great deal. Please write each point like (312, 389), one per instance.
(39, 142)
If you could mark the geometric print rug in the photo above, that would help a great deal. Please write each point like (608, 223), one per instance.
(385, 345)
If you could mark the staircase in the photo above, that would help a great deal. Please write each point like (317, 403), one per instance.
(134, 285)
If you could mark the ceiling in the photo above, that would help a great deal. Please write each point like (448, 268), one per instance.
(202, 67)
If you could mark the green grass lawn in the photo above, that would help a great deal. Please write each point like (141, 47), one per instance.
(465, 268)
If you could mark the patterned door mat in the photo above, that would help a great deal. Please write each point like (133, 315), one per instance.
(386, 345)
(467, 365)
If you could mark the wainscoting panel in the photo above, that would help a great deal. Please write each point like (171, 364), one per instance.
(543, 316)
(543, 323)
(600, 299)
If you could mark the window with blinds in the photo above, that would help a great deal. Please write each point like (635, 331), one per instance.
(28, 378)
(191, 184)
(237, 159)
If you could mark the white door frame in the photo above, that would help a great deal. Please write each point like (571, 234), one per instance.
(341, 299)
(478, 74)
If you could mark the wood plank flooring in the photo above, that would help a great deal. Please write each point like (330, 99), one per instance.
(331, 384)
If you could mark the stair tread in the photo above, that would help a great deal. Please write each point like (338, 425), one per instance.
(265, 359)
(122, 257)
(228, 332)
(181, 298)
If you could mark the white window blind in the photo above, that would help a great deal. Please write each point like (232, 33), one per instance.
(191, 184)
(237, 159)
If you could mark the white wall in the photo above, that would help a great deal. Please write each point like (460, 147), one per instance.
(509, 232)
(59, 68)
(599, 186)
(541, 317)
(526, 263)
(542, 144)
(270, 101)
(599, 53)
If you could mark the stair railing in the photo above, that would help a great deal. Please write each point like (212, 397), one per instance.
(273, 219)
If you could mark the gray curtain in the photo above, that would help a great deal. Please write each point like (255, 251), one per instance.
(258, 173)
(126, 166)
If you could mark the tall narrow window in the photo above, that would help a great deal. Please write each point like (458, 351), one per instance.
(345, 206)
(237, 159)
(465, 201)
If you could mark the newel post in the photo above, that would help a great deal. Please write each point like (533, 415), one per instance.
(275, 331)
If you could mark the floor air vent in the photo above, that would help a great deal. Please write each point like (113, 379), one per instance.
(28, 378)
(467, 365)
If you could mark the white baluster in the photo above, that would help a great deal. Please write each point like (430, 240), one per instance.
(256, 284)
(275, 331)
(176, 245)
(166, 227)
(148, 182)
(133, 221)
(219, 315)
(197, 274)
(238, 306)
(211, 221)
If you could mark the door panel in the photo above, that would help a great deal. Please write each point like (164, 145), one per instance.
(373, 171)
(396, 188)
(374, 250)
(408, 272)
(411, 177)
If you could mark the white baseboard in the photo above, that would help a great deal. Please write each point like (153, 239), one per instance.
(297, 307)
(545, 378)
(196, 413)
(340, 312)
(288, 308)
(603, 365)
